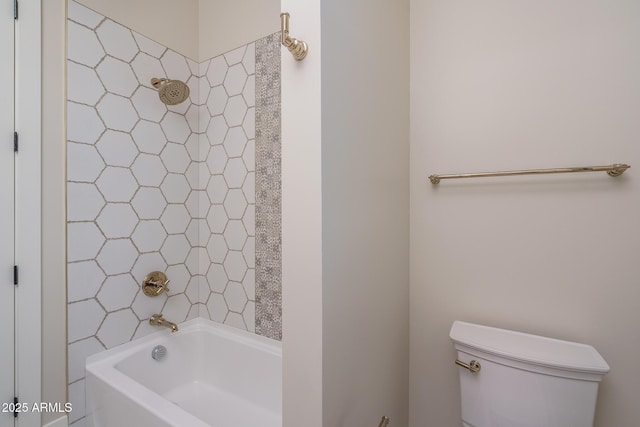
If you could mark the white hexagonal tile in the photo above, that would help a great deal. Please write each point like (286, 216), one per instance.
(148, 105)
(83, 280)
(196, 285)
(249, 155)
(117, 76)
(175, 127)
(249, 252)
(147, 67)
(118, 328)
(249, 220)
(176, 308)
(217, 278)
(249, 316)
(118, 292)
(179, 277)
(217, 219)
(175, 219)
(149, 137)
(235, 320)
(193, 146)
(149, 203)
(84, 202)
(83, 162)
(217, 307)
(148, 46)
(117, 40)
(249, 187)
(235, 204)
(80, 350)
(175, 157)
(117, 112)
(198, 232)
(198, 204)
(235, 80)
(235, 142)
(149, 170)
(144, 306)
(84, 240)
(217, 248)
(235, 235)
(175, 188)
(149, 236)
(193, 116)
(217, 100)
(197, 175)
(117, 184)
(217, 159)
(117, 148)
(83, 85)
(117, 220)
(235, 297)
(83, 45)
(217, 130)
(83, 15)
(77, 400)
(249, 123)
(83, 123)
(145, 264)
(249, 91)
(175, 249)
(217, 189)
(249, 59)
(117, 256)
(84, 318)
(235, 265)
(195, 311)
(235, 172)
(235, 111)
(235, 56)
(249, 284)
(194, 90)
(217, 71)
(176, 66)
(204, 117)
(197, 257)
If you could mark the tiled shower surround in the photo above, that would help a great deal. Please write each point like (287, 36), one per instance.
(152, 187)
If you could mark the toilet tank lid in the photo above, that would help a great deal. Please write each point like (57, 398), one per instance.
(529, 348)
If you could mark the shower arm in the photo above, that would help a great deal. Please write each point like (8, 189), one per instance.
(298, 48)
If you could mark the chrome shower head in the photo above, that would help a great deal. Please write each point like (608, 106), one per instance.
(171, 92)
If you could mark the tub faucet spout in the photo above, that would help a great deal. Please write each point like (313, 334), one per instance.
(159, 320)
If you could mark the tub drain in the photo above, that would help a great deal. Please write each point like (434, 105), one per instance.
(158, 352)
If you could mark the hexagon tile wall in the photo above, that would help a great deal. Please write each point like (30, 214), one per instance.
(152, 187)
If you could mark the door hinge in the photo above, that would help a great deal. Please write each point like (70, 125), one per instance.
(15, 9)
(15, 142)
(15, 275)
(15, 407)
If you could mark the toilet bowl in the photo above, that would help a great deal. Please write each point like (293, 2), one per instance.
(512, 379)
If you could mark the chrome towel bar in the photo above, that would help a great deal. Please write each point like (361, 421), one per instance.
(611, 170)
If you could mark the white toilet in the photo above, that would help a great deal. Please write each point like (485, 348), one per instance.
(523, 380)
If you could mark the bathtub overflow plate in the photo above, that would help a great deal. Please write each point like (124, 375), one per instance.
(158, 352)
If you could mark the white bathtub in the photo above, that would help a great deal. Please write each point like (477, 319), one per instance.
(212, 375)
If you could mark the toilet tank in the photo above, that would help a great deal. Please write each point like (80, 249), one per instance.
(525, 380)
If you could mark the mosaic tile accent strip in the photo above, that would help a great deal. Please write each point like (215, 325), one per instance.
(268, 189)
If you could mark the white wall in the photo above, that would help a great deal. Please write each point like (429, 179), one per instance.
(224, 25)
(173, 24)
(302, 222)
(54, 313)
(365, 211)
(509, 85)
(198, 29)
